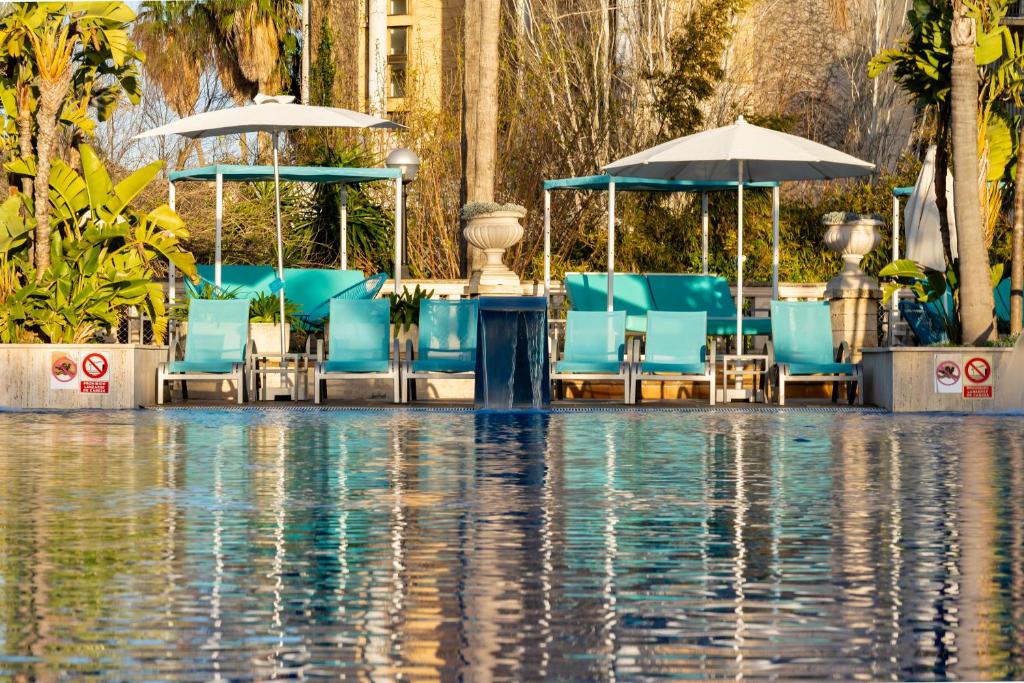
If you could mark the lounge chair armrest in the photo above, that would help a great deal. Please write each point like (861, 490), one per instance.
(843, 352)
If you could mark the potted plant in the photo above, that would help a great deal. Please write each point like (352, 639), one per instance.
(405, 314)
(265, 321)
(493, 228)
(852, 235)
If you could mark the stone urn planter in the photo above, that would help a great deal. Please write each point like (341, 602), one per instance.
(493, 228)
(852, 236)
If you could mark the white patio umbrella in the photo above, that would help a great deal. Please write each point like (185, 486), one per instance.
(276, 115)
(921, 218)
(744, 153)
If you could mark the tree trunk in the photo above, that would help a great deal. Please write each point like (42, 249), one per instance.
(941, 169)
(976, 301)
(25, 132)
(51, 95)
(1017, 252)
(479, 112)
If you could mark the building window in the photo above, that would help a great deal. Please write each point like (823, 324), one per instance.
(398, 59)
(398, 7)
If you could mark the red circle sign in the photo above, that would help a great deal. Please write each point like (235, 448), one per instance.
(947, 373)
(64, 369)
(977, 370)
(94, 365)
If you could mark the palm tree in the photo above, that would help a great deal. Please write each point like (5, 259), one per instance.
(976, 301)
(479, 109)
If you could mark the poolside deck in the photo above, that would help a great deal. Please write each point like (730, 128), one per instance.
(795, 404)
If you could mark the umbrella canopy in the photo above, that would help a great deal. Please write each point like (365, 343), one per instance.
(267, 115)
(278, 114)
(768, 155)
(744, 153)
(921, 218)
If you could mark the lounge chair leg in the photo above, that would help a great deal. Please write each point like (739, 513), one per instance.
(395, 398)
(782, 389)
(316, 389)
(159, 390)
(239, 388)
(711, 385)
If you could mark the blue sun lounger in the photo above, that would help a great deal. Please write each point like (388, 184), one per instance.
(359, 346)
(801, 350)
(595, 349)
(216, 347)
(676, 350)
(446, 345)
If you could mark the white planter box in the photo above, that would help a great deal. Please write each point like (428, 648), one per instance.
(26, 371)
(902, 379)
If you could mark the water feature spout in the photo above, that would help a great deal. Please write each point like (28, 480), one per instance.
(512, 353)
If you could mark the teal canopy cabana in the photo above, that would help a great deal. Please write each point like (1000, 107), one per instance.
(612, 184)
(218, 173)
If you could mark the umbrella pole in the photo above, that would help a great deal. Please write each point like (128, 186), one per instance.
(344, 227)
(775, 243)
(704, 232)
(280, 248)
(547, 243)
(171, 283)
(611, 246)
(219, 208)
(739, 261)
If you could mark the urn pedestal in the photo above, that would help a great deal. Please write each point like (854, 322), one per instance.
(853, 295)
(493, 233)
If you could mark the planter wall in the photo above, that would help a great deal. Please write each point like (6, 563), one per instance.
(902, 380)
(26, 372)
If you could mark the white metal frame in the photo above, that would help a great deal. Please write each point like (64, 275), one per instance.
(636, 385)
(320, 374)
(783, 376)
(409, 376)
(624, 375)
(238, 374)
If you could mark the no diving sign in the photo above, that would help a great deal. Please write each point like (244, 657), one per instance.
(977, 377)
(948, 374)
(96, 373)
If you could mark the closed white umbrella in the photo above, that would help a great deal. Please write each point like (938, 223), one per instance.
(275, 115)
(743, 153)
(921, 218)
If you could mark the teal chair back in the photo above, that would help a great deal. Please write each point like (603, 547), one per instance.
(595, 336)
(218, 330)
(360, 330)
(309, 288)
(802, 332)
(447, 333)
(677, 337)
(692, 293)
(589, 292)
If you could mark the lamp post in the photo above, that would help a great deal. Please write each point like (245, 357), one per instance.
(405, 159)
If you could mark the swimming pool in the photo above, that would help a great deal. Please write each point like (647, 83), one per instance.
(257, 544)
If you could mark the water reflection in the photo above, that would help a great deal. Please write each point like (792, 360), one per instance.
(485, 546)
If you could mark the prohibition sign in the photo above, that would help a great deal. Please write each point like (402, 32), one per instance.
(977, 370)
(94, 365)
(948, 373)
(64, 369)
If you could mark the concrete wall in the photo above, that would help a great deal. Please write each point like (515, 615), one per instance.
(26, 370)
(903, 380)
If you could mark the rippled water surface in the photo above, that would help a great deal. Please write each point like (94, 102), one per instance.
(193, 545)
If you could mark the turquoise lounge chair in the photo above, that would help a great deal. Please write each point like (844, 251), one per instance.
(589, 292)
(360, 346)
(676, 350)
(217, 347)
(801, 350)
(708, 293)
(446, 344)
(595, 349)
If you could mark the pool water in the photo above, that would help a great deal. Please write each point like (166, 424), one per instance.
(194, 545)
